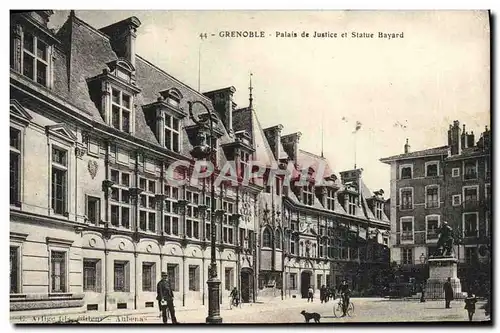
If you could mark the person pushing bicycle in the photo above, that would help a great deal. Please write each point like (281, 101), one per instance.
(234, 296)
(345, 293)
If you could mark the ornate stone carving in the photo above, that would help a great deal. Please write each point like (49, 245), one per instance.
(80, 152)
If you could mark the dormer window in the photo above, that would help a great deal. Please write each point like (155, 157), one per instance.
(120, 110)
(379, 210)
(172, 133)
(351, 204)
(330, 199)
(35, 62)
(244, 158)
(308, 195)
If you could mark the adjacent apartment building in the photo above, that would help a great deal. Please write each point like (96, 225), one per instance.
(447, 183)
(94, 130)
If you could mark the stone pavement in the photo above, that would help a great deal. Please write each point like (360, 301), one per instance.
(374, 310)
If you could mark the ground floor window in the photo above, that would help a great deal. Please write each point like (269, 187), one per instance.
(58, 271)
(407, 256)
(319, 277)
(14, 270)
(91, 275)
(148, 276)
(121, 276)
(173, 276)
(194, 277)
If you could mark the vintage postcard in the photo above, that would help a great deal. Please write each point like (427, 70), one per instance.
(256, 167)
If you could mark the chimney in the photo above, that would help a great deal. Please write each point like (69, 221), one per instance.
(463, 137)
(222, 100)
(470, 139)
(122, 37)
(449, 136)
(290, 144)
(456, 147)
(407, 147)
(273, 136)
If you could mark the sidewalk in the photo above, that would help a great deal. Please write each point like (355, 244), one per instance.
(185, 314)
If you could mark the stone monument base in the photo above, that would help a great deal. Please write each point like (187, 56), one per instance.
(440, 269)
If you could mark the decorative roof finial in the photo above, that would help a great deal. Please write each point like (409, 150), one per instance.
(250, 88)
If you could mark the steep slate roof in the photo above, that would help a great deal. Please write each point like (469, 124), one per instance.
(443, 150)
(306, 159)
(246, 119)
(88, 50)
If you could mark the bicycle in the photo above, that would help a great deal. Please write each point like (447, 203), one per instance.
(234, 302)
(337, 308)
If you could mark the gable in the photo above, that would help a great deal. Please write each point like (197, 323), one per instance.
(18, 112)
(61, 131)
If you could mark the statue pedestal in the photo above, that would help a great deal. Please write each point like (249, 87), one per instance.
(440, 269)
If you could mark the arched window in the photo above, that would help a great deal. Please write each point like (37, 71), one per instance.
(266, 237)
(277, 239)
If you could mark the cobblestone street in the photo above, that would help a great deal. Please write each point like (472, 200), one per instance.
(288, 311)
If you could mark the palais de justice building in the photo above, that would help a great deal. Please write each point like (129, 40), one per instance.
(94, 129)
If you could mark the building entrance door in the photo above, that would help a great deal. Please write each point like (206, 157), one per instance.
(246, 286)
(305, 282)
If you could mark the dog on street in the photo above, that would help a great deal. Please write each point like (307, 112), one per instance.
(311, 315)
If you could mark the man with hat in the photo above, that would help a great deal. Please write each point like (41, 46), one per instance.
(165, 298)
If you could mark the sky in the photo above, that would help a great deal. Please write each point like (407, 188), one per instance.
(412, 87)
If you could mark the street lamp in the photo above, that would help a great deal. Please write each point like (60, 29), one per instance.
(200, 151)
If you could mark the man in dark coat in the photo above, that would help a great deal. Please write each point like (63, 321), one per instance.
(165, 298)
(448, 293)
(322, 294)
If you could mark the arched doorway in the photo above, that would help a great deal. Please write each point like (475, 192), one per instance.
(246, 285)
(305, 282)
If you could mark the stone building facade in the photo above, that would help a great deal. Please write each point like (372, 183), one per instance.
(103, 196)
(449, 183)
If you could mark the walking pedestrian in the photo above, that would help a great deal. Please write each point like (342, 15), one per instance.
(448, 293)
(310, 294)
(322, 294)
(422, 289)
(165, 297)
(470, 304)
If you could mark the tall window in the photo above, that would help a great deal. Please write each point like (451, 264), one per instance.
(121, 276)
(487, 192)
(406, 172)
(277, 185)
(15, 166)
(470, 254)
(93, 210)
(470, 224)
(432, 227)
(227, 228)
(277, 239)
(148, 276)
(194, 277)
(172, 130)
(431, 169)
(432, 197)
(58, 271)
(14, 270)
(173, 276)
(330, 199)
(59, 180)
(293, 281)
(470, 194)
(147, 205)
(171, 217)
(228, 278)
(91, 275)
(406, 199)
(319, 277)
(406, 256)
(244, 158)
(308, 195)
(470, 169)
(406, 229)
(120, 110)
(120, 199)
(379, 210)
(266, 238)
(35, 59)
(351, 204)
(192, 215)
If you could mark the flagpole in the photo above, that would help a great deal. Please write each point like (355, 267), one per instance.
(355, 149)
(199, 64)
